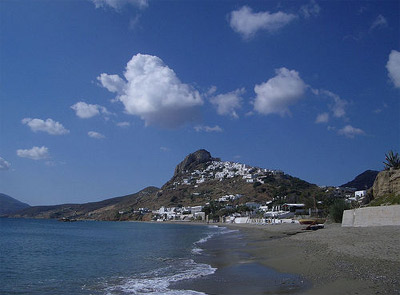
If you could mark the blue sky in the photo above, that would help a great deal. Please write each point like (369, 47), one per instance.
(103, 98)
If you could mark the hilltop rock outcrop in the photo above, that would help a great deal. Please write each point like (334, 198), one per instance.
(387, 182)
(192, 160)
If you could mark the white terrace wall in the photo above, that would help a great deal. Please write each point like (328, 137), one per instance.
(372, 216)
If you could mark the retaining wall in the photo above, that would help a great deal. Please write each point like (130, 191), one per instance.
(372, 216)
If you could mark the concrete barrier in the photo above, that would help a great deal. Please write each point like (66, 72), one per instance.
(372, 216)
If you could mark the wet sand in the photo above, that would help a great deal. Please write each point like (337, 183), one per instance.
(335, 260)
(285, 259)
(238, 272)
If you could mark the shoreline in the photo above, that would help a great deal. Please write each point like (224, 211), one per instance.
(237, 272)
(335, 260)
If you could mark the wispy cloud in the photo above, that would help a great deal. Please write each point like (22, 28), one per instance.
(118, 4)
(393, 67)
(49, 126)
(350, 131)
(380, 109)
(322, 118)
(310, 9)
(96, 135)
(123, 124)
(4, 165)
(379, 22)
(201, 128)
(247, 23)
(337, 104)
(164, 149)
(35, 153)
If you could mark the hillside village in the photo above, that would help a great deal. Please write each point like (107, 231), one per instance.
(204, 188)
(233, 207)
(222, 170)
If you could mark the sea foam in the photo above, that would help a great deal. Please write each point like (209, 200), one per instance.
(158, 281)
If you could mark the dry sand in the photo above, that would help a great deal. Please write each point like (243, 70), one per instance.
(336, 260)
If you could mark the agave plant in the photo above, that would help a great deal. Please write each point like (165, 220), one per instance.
(392, 160)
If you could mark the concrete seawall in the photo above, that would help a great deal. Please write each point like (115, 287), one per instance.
(372, 216)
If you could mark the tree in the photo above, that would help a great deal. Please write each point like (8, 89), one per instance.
(392, 160)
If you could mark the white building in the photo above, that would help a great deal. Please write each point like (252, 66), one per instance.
(360, 194)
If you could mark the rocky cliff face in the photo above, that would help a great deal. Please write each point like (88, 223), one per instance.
(193, 160)
(386, 183)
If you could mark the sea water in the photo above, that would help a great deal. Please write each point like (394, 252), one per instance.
(90, 257)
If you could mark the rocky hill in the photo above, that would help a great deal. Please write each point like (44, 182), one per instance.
(387, 183)
(10, 205)
(362, 181)
(198, 179)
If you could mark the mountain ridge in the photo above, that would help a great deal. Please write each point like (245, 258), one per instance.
(363, 181)
(9, 205)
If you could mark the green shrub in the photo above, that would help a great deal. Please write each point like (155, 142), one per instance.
(336, 210)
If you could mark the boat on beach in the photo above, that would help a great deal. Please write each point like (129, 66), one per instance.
(312, 221)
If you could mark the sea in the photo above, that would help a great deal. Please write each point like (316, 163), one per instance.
(49, 257)
(96, 257)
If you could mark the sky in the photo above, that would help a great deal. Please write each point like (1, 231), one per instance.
(102, 98)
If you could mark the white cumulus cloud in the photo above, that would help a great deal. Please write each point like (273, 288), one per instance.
(279, 92)
(201, 128)
(84, 110)
(153, 92)
(50, 126)
(350, 131)
(246, 22)
(4, 165)
(35, 153)
(96, 135)
(393, 67)
(118, 4)
(228, 103)
(112, 83)
(322, 118)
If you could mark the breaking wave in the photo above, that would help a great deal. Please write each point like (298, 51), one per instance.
(220, 230)
(158, 281)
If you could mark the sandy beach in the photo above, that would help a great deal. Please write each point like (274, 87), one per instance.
(335, 260)
(285, 259)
